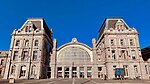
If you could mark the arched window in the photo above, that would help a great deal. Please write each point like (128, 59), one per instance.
(33, 70)
(74, 54)
(13, 69)
(27, 43)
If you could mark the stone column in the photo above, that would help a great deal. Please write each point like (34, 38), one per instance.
(53, 60)
(7, 69)
(78, 72)
(62, 71)
(70, 72)
(17, 73)
(94, 71)
(53, 72)
(85, 72)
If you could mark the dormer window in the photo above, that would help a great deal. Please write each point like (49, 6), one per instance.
(120, 25)
(27, 29)
(29, 26)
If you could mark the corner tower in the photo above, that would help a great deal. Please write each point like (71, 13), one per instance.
(118, 46)
(30, 50)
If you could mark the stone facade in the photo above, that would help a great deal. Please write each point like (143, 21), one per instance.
(118, 46)
(33, 55)
(29, 51)
(3, 60)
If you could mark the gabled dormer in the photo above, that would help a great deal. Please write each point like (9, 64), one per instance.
(29, 26)
(113, 24)
(120, 25)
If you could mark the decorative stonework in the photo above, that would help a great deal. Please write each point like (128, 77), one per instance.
(74, 40)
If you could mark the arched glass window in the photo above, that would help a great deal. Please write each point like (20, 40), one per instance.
(74, 54)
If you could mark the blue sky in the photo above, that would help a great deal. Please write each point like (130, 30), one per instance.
(74, 18)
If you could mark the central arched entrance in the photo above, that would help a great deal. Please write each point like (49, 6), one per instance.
(74, 60)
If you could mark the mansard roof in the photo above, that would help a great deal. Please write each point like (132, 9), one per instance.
(38, 23)
(110, 23)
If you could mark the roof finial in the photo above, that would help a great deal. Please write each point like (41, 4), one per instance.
(74, 40)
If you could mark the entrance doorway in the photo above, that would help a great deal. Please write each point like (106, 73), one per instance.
(81, 72)
(49, 72)
(74, 72)
(66, 72)
(59, 72)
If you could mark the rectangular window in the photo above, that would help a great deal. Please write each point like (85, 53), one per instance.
(133, 54)
(81, 72)
(66, 72)
(113, 54)
(89, 72)
(49, 72)
(25, 54)
(99, 68)
(2, 62)
(59, 72)
(15, 55)
(34, 55)
(100, 72)
(131, 42)
(33, 70)
(17, 42)
(121, 42)
(112, 42)
(135, 69)
(146, 69)
(23, 71)
(74, 72)
(36, 43)
(123, 54)
(27, 43)
(13, 69)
